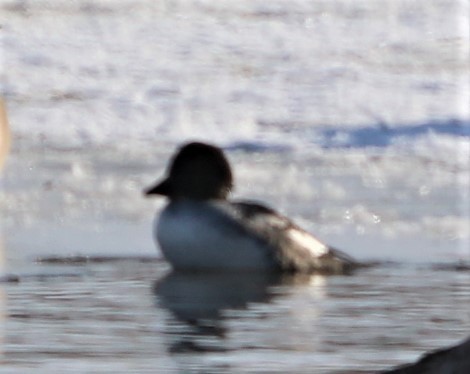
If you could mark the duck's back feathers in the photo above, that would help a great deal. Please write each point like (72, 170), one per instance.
(294, 248)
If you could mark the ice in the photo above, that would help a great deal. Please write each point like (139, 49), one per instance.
(90, 74)
(339, 114)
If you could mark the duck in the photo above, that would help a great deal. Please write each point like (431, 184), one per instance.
(202, 229)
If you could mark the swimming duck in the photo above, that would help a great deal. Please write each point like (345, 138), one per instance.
(200, 229)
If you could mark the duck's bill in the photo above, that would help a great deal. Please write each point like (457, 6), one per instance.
(161, 188)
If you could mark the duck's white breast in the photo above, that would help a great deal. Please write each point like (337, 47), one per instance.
(201, 235)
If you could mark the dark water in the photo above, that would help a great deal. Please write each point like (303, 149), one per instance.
(133, 315)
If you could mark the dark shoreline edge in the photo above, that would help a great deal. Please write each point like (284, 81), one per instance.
(451, 360)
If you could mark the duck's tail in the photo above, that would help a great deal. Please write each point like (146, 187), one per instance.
(335, 261)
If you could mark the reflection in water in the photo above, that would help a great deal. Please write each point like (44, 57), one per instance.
(203, 304)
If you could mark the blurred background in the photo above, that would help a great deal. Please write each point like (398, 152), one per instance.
(346, 116)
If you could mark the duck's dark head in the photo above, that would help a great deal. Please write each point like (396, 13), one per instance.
(197, 171)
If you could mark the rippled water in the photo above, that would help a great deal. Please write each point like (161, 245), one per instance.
(133, 316)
